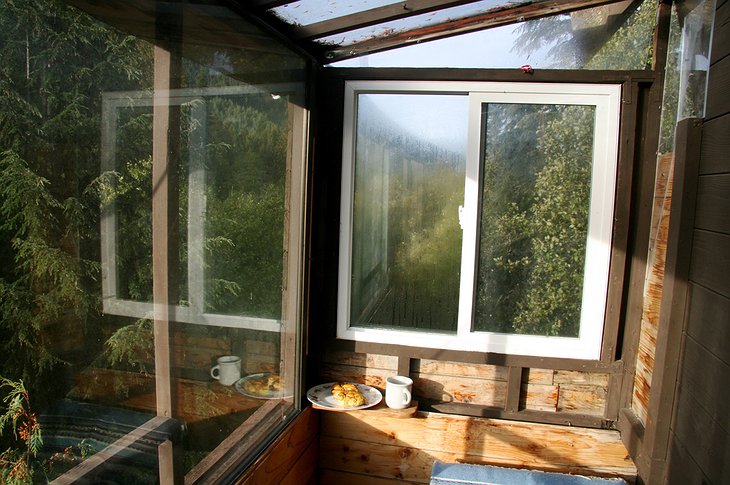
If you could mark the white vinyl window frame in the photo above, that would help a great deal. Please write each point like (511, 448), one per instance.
(606, 98)
(196, 99)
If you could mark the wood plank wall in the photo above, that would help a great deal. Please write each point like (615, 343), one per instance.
(292, 458)
(375, 447)
(556, 391)
(700, 434)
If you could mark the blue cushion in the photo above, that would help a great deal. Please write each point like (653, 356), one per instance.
(459, 473)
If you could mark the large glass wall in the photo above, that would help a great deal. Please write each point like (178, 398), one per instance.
(151, 174)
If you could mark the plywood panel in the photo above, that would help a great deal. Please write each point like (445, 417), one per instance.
(653, 286)
(448, 368)
(713, 203)
(435, 387)
(406, 444)
(584, 378)
(716, 146)
(539, 397)
(581, 398)
(361, 359)
(539, 376)
(364, 375)
(710, 265)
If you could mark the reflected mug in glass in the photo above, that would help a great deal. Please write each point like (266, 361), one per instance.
(398, 392)
(228, 370)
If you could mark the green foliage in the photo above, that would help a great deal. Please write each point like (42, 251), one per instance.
(44, 282)
(132, 346)
(592, 39)
(427, 260)
(244, 252)
(557, 227)
(15, 463)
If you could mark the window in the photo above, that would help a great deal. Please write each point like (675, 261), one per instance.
(152, 190)
(215, 289)
(478, 216)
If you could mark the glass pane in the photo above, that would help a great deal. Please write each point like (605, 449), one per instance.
(605, 37)
(246, 169)
(312, 11)
(536, 185)
(409, 182)
(146, 207)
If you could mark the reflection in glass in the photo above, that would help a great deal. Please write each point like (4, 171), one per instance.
(152, 213)
(536, 185)
(409, 182)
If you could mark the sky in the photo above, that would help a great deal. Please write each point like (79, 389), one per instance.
(492, 48)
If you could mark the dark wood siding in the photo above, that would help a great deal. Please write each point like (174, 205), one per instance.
(700, 435)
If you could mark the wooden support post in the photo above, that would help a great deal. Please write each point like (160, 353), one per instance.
(165, 224)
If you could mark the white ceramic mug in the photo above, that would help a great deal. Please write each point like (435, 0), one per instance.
(398, 391)
(228, 370)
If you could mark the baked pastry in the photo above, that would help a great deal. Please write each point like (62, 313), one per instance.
(264, 385)
(347, 394)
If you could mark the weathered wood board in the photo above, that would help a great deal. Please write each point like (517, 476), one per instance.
(477, 384)
(388, 448)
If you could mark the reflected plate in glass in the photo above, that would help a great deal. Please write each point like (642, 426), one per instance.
(321, 395)
(259, 386)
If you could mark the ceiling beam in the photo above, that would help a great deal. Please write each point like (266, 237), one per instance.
(265, 4)
(501, 16)
(374, 16)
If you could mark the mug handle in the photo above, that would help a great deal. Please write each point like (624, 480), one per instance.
(213, 374)
(406, 395)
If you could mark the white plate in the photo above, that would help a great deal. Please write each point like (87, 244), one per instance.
(321, 395)
(240, 386)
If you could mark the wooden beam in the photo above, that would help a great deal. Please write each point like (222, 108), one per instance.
(374, 16)
(164, 224)
(472, 23)
(514, 389)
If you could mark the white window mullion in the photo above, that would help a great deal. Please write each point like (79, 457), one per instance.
(470, 219)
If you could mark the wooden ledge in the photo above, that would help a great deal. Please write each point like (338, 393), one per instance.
(374, 444)
(379, 409)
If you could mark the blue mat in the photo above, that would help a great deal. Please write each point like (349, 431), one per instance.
(459, 473)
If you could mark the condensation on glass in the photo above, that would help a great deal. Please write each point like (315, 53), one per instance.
(408, 185)
(177, 167)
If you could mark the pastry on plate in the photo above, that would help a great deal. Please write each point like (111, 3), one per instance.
(347, 394)
(264, 385)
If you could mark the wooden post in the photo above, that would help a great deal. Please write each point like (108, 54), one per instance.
(292, 245)
(165, 225)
